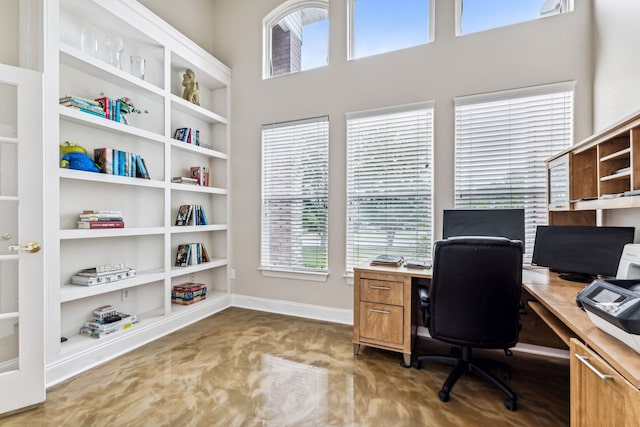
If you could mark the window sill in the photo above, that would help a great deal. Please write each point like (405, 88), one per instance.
(296, 275)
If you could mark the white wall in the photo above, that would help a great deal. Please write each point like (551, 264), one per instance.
(616, 92)
(193, 18)
(544, 51)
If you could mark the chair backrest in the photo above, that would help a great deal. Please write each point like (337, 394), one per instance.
(475, 291)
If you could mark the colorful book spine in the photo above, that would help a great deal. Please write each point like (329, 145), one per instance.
(93, 225)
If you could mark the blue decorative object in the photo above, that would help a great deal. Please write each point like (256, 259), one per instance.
(78, 160)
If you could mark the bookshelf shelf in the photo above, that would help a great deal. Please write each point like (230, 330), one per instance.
(198, 228)
(75, 292)
(149, 240)
(198, 149)
(76, 59)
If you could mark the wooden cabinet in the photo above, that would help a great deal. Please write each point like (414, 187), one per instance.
(599, 394)
(383, 313)
(603, 173)
(150, 238)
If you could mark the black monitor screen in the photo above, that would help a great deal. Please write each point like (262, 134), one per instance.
(507, 223)
(581, 250)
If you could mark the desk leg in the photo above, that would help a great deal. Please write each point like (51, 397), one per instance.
(356, 349)
(406, 360)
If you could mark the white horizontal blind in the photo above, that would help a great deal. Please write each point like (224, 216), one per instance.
(389, 178)
(502, 142)
(295, 188)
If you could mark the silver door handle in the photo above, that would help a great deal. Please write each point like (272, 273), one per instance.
(585, 362)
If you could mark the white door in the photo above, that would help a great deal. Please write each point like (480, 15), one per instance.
(21, 239)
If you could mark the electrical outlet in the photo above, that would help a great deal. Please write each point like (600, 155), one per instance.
(232, 273)
(192, 278)
(126, 294)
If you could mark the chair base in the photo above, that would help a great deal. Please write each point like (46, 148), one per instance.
(462, 364)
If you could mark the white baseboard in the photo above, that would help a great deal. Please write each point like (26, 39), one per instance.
(309, 311)
(64, 368)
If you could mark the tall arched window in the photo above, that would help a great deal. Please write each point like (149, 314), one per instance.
(296, 37)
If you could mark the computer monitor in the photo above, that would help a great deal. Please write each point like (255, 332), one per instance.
(507, 223)
(580, 252)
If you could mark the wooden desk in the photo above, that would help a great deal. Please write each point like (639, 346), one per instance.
(385, 316)
(605, 373)
(385, 308)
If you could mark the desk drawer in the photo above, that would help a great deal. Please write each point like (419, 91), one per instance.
(381, 323)
(381, 291)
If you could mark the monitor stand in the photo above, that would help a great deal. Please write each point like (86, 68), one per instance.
(578, 277)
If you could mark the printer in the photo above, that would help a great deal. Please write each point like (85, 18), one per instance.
(629, 266)
(614, 305)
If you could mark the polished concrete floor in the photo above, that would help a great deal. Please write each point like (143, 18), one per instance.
(249, 368)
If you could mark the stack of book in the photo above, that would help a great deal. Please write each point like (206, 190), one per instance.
(107, 320)
(389, 260)
(191, 215)
(121, 163)
(102, 274)
(188, 293)
(100, 219)
(82, 104)
(184, 180)
(191, 254)
(188, 135)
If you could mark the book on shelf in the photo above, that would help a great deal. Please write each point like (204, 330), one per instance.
(83, 104)
(189, 294)
(191, 215)
(103, 270)
(188, 286)
(122, 163)
(184, 180)
(97, 225)
(201, 174)
(103, 312)
(184, 214)
(85, 110)
(187, 302)
(104, 325)
(114, 216)
(191, 254)
(78, 279)
(390, 260)
(93, 333)
(188, 135)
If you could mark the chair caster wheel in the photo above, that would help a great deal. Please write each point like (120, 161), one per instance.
(510, 404)
(443, 395)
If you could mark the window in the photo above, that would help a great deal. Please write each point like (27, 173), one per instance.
(296, 37)
(389, 183)
(295, 176)
(480, 15)
(502, 142)
(378, 26)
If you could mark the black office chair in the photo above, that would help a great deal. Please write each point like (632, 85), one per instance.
(473, 302)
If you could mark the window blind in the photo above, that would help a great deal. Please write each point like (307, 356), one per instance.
(502, 142)
(295, 176)
(389, 178)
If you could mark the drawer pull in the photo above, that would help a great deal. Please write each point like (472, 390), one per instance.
(384, 288)
(379, 311)
(585, 362)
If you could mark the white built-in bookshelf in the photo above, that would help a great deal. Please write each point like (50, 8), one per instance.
(149, 240)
